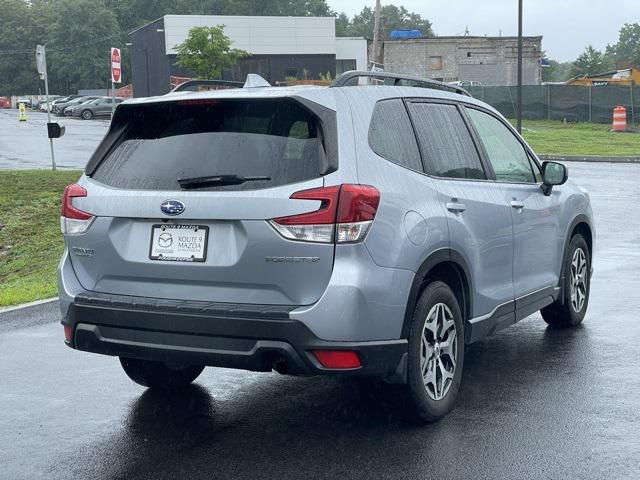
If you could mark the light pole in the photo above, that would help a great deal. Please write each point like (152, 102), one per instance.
(519, 112)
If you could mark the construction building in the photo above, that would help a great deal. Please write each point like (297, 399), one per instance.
(491, 61)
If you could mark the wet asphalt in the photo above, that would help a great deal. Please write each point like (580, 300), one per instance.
(26, 144)
(535, 403)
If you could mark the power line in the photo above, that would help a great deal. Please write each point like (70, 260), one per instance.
(59, 49)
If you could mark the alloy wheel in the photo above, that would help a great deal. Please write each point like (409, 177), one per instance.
(578, 280)
(438, 351)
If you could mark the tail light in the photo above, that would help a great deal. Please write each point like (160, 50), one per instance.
(73, 221)
(345, 215)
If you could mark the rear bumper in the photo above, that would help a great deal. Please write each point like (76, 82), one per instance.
(249, 337)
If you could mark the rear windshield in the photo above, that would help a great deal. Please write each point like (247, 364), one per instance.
(162, 143)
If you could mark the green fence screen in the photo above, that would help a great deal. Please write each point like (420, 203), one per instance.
(560, 102)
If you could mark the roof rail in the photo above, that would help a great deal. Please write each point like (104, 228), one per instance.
(350, 79)
(192, 85)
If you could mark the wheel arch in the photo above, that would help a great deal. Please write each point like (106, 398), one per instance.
(581, 224)
(450, 267)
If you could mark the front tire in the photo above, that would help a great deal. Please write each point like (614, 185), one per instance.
(158, 375)
(436, 353)
(87, 114)
(570, 310)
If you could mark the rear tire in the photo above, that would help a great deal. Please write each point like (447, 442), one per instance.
(436, 353)
(158, 375)
(577, 283)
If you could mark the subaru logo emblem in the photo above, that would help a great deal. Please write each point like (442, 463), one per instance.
(172, 207)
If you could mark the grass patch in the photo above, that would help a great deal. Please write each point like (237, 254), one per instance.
(30, 242)
(556, 138)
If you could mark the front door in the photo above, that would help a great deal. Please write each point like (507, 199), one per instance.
(536, 229)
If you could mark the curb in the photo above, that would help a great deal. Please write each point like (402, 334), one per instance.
(27, 305)
(594, 159)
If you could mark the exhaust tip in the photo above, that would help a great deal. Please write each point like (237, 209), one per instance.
(280, 365)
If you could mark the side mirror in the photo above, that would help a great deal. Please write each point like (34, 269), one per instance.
(55, 130)
(553, 173)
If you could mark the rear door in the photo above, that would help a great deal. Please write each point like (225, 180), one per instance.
(220, 247)
(102, 106)
(536, 217)
(480, 226)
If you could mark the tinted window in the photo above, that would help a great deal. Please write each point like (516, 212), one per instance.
(507, 155)
(445, 141)
(391, 135)
(165, 142)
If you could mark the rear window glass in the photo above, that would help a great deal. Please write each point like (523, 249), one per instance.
(391, 135)
(446, 144)
(163, 143)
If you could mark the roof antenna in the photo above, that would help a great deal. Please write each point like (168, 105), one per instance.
(254, 80)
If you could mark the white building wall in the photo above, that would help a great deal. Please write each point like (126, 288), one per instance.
(349, 48)
(260, 35)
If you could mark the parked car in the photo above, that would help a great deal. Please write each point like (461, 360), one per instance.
(62, 106)
(350, 230)
(95, 108)
(466, 83)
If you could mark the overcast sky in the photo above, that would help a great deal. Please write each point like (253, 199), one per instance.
(567, 25)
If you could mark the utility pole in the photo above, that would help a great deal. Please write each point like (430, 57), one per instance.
(376, 35)
(519, 113)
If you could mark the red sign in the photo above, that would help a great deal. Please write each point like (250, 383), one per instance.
(116, 72)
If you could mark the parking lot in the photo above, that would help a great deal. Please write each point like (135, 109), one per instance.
(535, 402)
(25, 144)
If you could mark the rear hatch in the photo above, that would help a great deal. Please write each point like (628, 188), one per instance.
(181, 193)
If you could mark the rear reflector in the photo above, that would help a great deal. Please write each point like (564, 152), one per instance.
(73, 221)
(68, 333)
(337, 359)
(345, 215)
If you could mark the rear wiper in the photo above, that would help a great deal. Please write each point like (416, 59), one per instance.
(217, 180)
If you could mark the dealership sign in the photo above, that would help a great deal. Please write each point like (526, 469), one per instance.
(116, 71)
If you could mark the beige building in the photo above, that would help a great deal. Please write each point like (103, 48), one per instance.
(487, 60)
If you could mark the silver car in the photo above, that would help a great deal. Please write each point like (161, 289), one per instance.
(99, 107)
(351, 230)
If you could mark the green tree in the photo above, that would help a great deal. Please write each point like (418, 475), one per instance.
(207, 52)
(627, 51)
(17, 51)
(591, 62)
(557, 71)
(392, 18)
(79, 41)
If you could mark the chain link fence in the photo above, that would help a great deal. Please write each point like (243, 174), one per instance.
(560, 102)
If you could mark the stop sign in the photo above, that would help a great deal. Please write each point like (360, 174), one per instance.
(116, 72)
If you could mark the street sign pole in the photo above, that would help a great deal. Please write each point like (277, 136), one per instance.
(116, 76)
(519, 113)
(113, 99)
(41, 62)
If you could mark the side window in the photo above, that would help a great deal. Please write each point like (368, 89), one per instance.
(445, 141)
(391, 135)
(506, 154)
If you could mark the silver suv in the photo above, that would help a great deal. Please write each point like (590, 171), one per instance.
(354, 230)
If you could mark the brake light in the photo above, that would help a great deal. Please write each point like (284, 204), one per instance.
(337, 359)
(345, 215)
(73, 221)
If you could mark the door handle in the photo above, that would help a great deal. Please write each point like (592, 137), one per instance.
(455, 207)
(517, 205)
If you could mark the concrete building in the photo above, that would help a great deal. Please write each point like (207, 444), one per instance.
(279, 47)
(488, 60)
